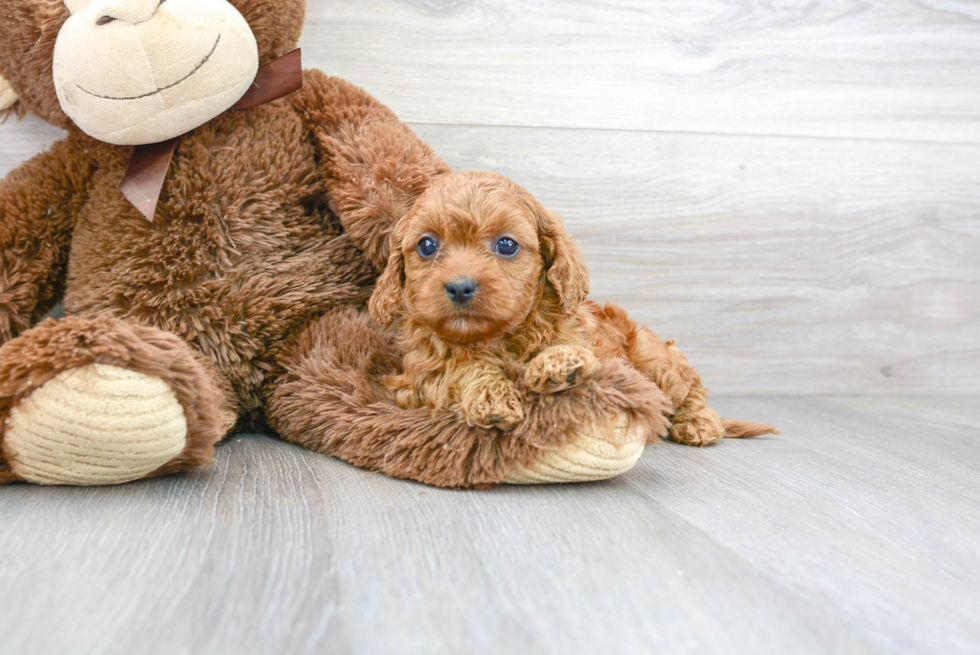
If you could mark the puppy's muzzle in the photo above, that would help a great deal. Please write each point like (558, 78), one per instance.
(461, 290)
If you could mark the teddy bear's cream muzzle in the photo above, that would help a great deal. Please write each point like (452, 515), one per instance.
(143, 71)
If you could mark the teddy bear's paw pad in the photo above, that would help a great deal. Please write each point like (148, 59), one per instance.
(95, 425)
(595, 454)
(560, 367)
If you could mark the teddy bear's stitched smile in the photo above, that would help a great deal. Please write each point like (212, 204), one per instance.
(164, 88)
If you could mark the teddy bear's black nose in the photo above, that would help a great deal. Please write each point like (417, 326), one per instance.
(461, 290)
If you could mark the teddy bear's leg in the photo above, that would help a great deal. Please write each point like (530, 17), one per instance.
(104, 401)
(327, 395)
(591, 452)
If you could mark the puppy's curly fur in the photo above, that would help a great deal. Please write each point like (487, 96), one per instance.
(487, 286)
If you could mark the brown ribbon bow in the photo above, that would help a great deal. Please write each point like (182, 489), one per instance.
(147, 170)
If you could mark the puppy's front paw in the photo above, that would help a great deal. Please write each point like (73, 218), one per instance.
(560, 367)
(493, 405)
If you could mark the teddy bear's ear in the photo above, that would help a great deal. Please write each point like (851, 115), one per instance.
(7, 95)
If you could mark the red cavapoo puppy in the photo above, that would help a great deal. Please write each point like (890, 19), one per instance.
(482, 277)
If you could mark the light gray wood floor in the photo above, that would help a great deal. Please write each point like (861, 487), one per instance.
(858, 530)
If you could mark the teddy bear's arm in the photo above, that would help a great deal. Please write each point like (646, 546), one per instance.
(38, 204)
(374, 165)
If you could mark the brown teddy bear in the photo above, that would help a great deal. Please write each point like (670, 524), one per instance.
(216, 277)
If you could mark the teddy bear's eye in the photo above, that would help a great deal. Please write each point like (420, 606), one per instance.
(506, 247)
(428, 247)
(105, 20)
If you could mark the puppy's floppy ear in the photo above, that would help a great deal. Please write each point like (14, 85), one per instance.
(564, 265)
(386, 301)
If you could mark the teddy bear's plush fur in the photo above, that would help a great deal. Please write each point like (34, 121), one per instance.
(333, 389)
(229, 308)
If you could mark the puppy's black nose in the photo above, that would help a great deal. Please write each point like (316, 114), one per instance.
(461, 290)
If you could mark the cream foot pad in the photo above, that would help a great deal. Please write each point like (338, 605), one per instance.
(591, 455)
(95, 425)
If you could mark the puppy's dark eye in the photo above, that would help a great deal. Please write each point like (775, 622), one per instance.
(506, 247)
(428, 247)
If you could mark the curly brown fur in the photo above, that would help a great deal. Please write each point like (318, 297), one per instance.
(482, 277)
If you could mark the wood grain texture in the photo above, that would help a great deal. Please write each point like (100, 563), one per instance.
(844, 68)
(850, 533)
